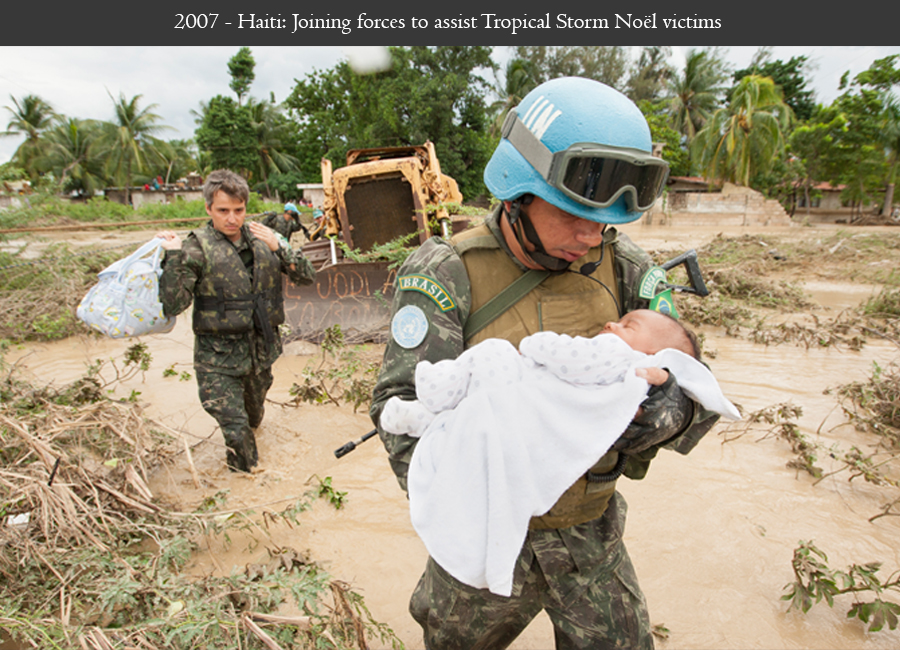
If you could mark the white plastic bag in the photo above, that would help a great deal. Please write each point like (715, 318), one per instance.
(125, 301)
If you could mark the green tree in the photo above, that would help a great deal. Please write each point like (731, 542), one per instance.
(272, 133)
(890, 131)
(240, 67)
(882, 76)
(661, 132)
(30, 118)
(790, 76)
(697, 90)
(604, 63)
(429, 93)
(132, 141)
(519, 80)
(75, 154)
(178, 158)
(818, 144)
(227, 136)
(284, 185)
(865, 170)
(651, 74)
(745, 137)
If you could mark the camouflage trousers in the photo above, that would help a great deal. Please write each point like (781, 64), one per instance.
(582, 576)
(238, 405)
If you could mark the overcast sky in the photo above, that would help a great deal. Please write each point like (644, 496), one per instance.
(78, 81)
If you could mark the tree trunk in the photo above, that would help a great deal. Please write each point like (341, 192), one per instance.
(888, 206)
(128, 183)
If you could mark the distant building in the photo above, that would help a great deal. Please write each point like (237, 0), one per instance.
(693, 200)
(314, 193)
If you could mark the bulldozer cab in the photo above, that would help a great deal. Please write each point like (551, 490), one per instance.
(385, 193)
(382, 194)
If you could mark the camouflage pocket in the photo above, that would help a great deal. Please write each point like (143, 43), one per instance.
(222, 352)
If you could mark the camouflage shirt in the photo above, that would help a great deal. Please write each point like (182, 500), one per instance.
(183, 270)
(284, 227)
(437, 260)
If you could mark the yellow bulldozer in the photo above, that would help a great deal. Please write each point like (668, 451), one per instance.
(382, 194)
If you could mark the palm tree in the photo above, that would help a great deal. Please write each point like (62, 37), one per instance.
(272, 131)
(131, 139)
(651, 74)
(75, 154)
(520, 80)
(744, 137)
(178, 156)
(29, 119)
(696, 92)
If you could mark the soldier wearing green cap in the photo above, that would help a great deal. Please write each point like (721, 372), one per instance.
(574, 160)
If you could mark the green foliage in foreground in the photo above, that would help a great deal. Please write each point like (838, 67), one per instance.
(138, 593)
(38, 297)
(85, 565)
(814, 581)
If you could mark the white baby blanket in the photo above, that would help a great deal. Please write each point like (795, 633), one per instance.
(504, 434)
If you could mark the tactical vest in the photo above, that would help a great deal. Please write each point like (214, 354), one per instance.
(566, 303)
(229, 299)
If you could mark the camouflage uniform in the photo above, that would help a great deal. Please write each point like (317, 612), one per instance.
(284, 227)
(580, 574)
(238, 305)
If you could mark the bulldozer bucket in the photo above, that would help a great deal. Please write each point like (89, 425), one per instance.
(354, 295)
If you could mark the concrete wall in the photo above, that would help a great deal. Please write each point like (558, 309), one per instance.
(733, 206)
(140, 197)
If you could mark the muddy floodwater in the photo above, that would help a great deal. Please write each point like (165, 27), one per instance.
(711, 534)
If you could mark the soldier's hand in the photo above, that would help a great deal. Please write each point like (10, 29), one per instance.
(663, 414)
(265, 234)
(171, 240)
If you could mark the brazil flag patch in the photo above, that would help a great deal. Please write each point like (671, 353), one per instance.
(429, 287)
(663, 303)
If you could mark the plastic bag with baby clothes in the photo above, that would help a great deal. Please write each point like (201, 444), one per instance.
(125, 300)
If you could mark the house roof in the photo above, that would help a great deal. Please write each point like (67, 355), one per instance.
(697, 181)
(822, 187)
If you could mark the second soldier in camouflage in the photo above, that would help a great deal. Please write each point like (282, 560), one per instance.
(232, 272)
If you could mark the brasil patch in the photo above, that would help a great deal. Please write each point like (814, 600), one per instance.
(651, 279)
(429, 287)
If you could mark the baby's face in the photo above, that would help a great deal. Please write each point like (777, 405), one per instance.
(644, 330)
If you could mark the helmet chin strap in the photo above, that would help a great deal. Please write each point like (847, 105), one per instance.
(524, 229)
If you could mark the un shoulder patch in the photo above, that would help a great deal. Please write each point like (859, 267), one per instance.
(409, 327)
(429, 287)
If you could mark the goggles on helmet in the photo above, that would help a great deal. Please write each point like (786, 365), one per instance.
(592, 174)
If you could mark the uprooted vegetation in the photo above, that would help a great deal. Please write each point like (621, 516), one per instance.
(873, 408)
(755, 284)
(755, 288)
(89, 558)
(38, 298)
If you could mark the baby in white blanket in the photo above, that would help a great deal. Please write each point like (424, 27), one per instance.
(504, 432)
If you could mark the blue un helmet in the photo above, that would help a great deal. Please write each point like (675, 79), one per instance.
(581, 146)
(290, 207)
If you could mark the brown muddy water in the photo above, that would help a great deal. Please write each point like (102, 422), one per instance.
(711, 534)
